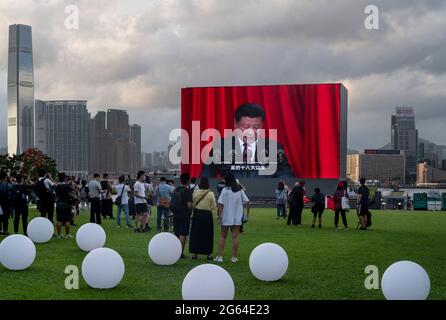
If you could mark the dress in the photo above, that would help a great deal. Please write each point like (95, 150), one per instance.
(202, 228)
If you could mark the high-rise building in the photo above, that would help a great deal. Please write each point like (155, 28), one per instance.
(114, 144)
(404, 137)
(135, 143)
(381, 165)
(62, 132)
(147, 160)
(118, 131)
(98, 143)
(20, 89)
(426, 174)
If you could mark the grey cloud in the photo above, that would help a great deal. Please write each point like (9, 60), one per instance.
(140, 61)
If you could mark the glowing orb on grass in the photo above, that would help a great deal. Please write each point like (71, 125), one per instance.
(40, 230)
(208, 282)
(268, 262)
(164, 249)
(405, 280)
(17, 252)
(103, 268)
(90, 236)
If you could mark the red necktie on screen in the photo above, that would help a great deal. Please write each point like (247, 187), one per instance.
(245, 153)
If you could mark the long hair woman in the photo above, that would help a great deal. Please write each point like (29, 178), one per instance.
(338, 195)
(202, 230)
(281, 198)
(229, 215)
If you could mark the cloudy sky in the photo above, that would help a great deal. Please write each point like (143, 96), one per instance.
(137, 54)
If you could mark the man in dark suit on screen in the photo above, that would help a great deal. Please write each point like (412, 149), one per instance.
(245, 153)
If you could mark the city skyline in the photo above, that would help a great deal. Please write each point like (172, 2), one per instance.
(142, 45)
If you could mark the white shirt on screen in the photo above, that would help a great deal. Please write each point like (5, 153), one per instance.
(251, 149)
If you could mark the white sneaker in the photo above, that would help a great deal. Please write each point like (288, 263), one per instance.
(218, 259)
(68, 236)
(118, 226)
(234, 259)
(59, 236)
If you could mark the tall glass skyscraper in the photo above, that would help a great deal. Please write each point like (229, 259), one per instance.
(404, 137)
(20, 89)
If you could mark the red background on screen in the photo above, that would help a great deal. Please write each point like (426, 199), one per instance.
(307, 119)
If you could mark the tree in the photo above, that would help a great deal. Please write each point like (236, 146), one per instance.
(28, 163)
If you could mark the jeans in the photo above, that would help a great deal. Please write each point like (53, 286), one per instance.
(344, 218)
(162, 213)
(281, 210)
(84, 206)
(125, 208)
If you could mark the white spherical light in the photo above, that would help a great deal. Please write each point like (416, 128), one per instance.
(90, 236)
(164, 249)
(208, 282)
(405, 280)
(40, 230)
(268, 262)
(103, 268)
(17, 252)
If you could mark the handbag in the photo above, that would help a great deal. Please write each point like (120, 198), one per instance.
(345, 203)
(199, 200)
(119, 199)
(165, 202)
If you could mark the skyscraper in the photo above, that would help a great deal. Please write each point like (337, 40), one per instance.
(115, 146)
(135, 145)
(20, 89)
(62, 132)
(404, 137)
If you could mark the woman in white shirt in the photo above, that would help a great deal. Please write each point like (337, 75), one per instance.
(122, 190)
(229, 215)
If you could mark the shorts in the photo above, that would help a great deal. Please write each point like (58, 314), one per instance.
(181, 227)
(141, 209)
(317, 211)
(363, 209)
(63, 215)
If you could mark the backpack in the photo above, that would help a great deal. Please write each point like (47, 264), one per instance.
(175, 200)
(83, 192)
(18, 195)
(42, 191)
(281, 197)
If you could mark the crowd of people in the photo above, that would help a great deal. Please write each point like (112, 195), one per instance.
(294, 200)
(186, 209)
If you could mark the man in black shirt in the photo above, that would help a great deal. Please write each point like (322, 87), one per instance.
(64, 201)
(363, 203)
(181, 217)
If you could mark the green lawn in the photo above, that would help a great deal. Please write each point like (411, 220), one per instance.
(323, 263)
